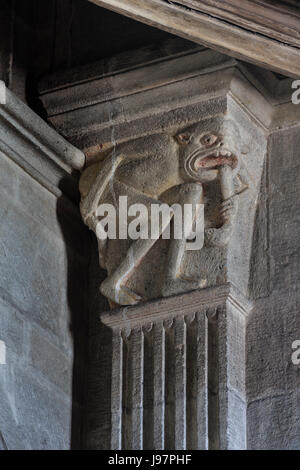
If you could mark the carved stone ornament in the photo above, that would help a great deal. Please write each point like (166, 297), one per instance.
(183, 130)
(200, 164)
(188, 129)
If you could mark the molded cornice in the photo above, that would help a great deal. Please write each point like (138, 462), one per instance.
(86, 105)
(35, 146)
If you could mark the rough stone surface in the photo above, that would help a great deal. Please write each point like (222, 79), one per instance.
(272, 379)
(248, 396)
(173, 373)
(178, 372)
(43, 262)
(161, 167)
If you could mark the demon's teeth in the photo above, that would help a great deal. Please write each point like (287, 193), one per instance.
(224, 153)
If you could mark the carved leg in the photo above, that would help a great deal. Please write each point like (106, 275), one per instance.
(190, 193)
(113, 287)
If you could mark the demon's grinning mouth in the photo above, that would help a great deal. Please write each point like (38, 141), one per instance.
(215, 160)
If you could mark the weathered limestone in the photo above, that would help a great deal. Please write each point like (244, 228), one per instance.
(178, 372)
(43, 256)
(191, 129)
(37, 132)
(125, 94)
(182, 368)
(273, 380)
(163, 169)
(207, 139)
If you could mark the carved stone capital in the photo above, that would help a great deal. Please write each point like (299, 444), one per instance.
(194, 133)
(212, 166)
(199, 168)
(191, 128)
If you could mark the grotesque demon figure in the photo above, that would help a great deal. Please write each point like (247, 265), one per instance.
(163, 168)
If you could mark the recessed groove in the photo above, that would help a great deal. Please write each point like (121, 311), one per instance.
(148, 386)
(170, 389)
(197, 383)
(213, 383)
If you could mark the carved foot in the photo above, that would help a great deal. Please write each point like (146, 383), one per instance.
(120, 295)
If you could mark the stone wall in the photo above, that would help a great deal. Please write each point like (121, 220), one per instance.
(44, 253)
(272, 378)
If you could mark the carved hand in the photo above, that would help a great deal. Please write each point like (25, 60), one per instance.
(229, 209)
(221, 236)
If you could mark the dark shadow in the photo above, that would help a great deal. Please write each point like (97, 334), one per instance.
(77, 241)
(97, 410)
(91, 340)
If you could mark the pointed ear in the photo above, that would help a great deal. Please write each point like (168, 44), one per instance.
(183, 138)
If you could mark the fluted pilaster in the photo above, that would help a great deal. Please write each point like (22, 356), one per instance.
(176, 379)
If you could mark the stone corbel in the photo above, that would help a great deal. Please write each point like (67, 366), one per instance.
(201, 166)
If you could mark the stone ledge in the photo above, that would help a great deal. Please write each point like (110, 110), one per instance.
(170, 307)
(37, 148)
(101, 97)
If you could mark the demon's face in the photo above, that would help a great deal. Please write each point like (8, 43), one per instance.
(207, 146)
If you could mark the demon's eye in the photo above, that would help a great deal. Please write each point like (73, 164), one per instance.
(208, 140)
(183, 138)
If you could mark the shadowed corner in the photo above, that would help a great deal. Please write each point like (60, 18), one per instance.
(91, 340)
(77, 246)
